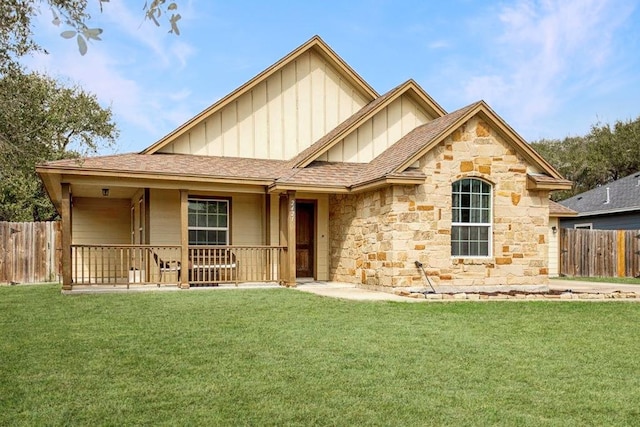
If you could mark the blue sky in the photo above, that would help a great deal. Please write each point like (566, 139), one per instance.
(550, 68)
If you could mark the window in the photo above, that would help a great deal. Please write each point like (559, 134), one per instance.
(208, 222)
(587, 226)
(471, 222)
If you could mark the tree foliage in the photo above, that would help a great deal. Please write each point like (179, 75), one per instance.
(16, 24)
(607, 153)
(42, 120)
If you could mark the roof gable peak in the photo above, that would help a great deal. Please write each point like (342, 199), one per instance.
(315, 43)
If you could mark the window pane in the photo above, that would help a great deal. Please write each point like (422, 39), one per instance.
(208, 222)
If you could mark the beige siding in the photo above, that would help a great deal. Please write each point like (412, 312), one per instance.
(378, 133)
(279, 117)
(101, 221)
(274, 225)
(164, 217)
(247, 216)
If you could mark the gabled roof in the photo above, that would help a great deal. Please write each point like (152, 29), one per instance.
(391, 166)
(405, 149)
(341, 131)
(622, 195)
(557, 210)
(315, 43)
(452, 121)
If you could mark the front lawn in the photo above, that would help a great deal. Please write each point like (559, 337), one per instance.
(283, 357)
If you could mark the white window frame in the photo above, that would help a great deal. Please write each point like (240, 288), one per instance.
(226, 229)
(488, 225)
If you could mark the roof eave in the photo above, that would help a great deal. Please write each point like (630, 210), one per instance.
(158, 176)
(279, 187)
(556, 184)
(385, 182)
(609, 212)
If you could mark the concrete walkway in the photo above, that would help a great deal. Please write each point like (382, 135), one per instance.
(593, 287)
(349, 291)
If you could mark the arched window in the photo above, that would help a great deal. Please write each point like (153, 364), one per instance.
(471, 221)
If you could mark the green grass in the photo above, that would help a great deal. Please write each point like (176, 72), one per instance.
(283, 357)
(619, 280)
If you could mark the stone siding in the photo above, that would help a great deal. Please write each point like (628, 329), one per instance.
(377, 236)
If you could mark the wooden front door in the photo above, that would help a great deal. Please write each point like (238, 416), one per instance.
(305, 213)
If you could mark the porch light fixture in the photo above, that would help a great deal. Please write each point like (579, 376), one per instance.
(554, 229)
(105, 192)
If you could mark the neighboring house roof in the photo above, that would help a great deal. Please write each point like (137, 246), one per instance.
(557, 210)
(618, 196)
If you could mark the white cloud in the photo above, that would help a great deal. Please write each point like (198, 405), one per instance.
(438, 44)
(548, 51)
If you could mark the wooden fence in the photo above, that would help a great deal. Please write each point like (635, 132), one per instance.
(30, 252)
(599, 253)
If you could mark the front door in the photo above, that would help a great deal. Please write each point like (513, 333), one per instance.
(305, 213)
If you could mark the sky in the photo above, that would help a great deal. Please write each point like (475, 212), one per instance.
(550, 69)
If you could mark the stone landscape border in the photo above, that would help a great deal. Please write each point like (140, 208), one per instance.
(524, 296)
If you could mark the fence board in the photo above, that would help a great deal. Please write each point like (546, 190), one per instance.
(599, 253)
(30, 252)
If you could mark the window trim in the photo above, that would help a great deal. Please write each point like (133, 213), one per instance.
(211, 199)
(488, 224)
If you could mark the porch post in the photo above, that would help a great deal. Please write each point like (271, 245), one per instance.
(65, 208)
(288, 235)
(184, 239)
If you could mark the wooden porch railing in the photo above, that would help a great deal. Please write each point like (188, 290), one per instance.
(235, 264)
(125, 264)
(161, 264)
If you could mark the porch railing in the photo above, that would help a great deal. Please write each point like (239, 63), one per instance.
(162, 264)
(235, 264)
(125, 264)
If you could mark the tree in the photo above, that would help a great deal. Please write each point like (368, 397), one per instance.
(42, 120)
(16, 28)
(607, 153)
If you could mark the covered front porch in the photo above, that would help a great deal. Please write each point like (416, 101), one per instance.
(117, 234)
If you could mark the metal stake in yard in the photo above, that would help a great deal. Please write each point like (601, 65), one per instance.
(421, 267)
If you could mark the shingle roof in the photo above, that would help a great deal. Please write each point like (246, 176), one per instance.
(623, 195)
(410, 144)
(177, 164)
(557, 210)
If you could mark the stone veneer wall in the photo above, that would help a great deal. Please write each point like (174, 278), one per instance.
(377, 236)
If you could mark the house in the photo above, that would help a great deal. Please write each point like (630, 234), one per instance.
(306, 171)
(613, 206)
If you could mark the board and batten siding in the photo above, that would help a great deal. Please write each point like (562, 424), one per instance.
(378, 133)
(279, 117)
